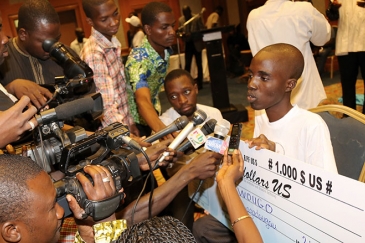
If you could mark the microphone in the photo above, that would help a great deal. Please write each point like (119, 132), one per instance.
(176, 125)
(217, 143)
(207, 128)
(198, 118)
(65, 110)
(202, 11)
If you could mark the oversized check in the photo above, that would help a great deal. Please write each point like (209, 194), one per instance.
(291, 201)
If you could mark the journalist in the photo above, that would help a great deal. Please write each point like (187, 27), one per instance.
(13, 121)
(30, 213)
(38, 21)
(28, 209)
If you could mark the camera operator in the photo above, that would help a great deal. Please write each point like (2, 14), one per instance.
(27, 60)
(28, 210)
(13, 121)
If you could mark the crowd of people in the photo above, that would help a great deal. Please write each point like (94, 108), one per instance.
(282, 84)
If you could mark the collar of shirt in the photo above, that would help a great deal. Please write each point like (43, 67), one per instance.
(104, 42)
(152, 53)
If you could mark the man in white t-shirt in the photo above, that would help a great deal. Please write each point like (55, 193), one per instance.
(281, 127)
(135, 28)
(213, 18)
(79, 42)
(182, 91)
(298, 24)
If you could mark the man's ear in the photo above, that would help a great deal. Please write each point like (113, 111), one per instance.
(196, 88)
(147, 29)
(89, 21)
(22, 34)
(291, 83)
(10, 232)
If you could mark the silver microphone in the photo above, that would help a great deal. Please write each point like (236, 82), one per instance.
(198, 118)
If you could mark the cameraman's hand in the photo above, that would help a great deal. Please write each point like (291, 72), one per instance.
(14, 122)
(37, 94)
(97, 192)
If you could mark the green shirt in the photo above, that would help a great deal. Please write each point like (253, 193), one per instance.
(145, 68)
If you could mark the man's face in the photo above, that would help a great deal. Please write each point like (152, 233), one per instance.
(32, 40)
(267, 82)
(182, 94)
(106, 19)
(161, 33)
(44, 219)
(3, 42)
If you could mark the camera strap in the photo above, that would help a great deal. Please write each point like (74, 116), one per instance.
(102, 209)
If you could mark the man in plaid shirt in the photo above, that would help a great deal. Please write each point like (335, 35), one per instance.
(103, 54)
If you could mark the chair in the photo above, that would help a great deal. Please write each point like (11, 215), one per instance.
(347, 137)
(332, 58)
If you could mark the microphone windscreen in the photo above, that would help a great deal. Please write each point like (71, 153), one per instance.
(74, 107)
(222, 128)
(209, 126)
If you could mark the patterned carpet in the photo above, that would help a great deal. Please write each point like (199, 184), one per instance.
(333, 92)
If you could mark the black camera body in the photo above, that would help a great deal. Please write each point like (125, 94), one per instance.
(121, 162)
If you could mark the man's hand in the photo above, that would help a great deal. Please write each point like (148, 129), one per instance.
(154, 153)
(140, 141)
(134, 130)
(204, 165)
(361, 4)
(37, 94)
(97, 191)
(14, 122)
(336, 4)
(261, 142)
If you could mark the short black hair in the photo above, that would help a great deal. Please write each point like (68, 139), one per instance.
(32, 12)
(15, 172)
(290, 56)
(150, 11)
(89, 5)
(176, 73)
(219, 9)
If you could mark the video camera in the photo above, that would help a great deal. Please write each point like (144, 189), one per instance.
(70, 151)
(78, 77)
(122, 163)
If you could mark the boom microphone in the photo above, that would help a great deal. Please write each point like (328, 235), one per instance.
(176, 125)
(66, 110)
(207, 128)
(198, 118)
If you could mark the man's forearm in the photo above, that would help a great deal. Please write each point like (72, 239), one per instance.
(149, 114)
(162, 196)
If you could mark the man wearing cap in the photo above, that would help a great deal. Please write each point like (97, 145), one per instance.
(135, 28)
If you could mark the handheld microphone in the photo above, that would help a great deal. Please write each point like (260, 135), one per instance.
(176, 125)
(66, 110)
(198, 118)
(217, 143)
(207, 128)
